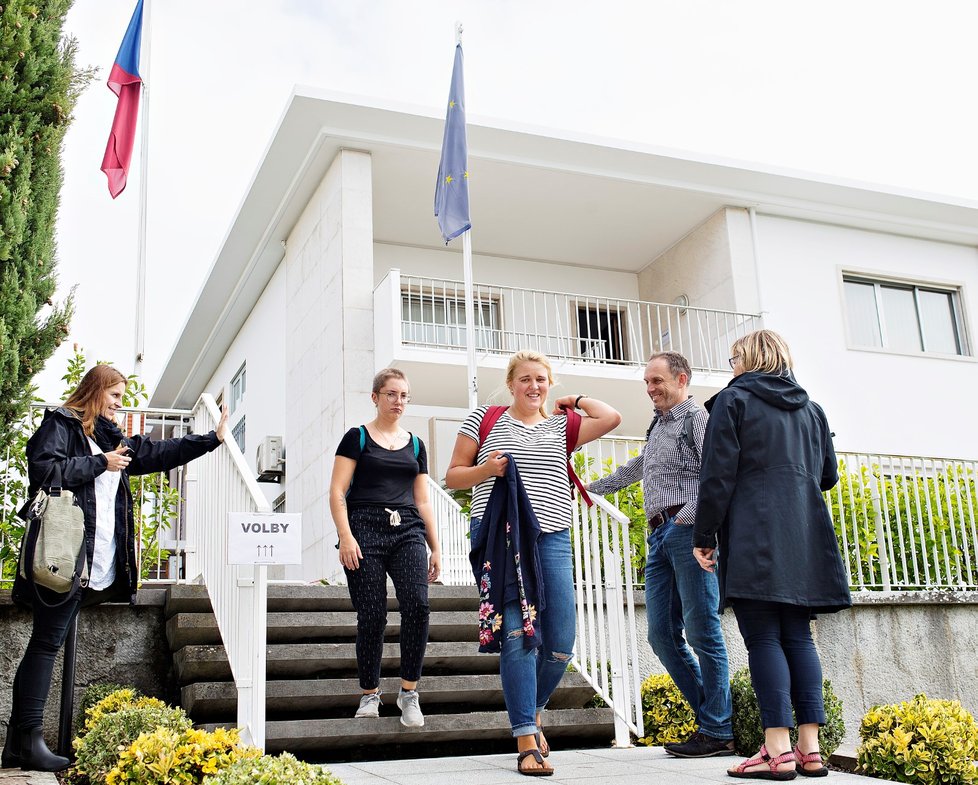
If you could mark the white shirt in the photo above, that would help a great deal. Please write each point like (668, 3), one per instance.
(102, 573)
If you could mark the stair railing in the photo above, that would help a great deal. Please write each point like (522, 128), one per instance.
(217, 484)
(606, 650)
(453, 536)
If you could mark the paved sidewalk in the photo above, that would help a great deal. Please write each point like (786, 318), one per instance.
(632, 766)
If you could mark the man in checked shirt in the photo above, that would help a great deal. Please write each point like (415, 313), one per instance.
(678, 592)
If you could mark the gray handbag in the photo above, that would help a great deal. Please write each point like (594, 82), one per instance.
(53, 553)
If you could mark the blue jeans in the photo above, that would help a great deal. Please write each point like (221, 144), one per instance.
(784, 665)
(680, 594)
(530, 676)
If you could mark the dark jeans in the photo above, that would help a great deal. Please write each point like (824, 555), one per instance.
(784, 665)
(32, 681)
(398, 551)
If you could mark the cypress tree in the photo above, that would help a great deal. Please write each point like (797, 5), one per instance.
(39, 85)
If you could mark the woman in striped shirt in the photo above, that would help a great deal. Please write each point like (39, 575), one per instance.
(537, 443)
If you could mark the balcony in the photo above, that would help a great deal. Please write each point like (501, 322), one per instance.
(421, 320)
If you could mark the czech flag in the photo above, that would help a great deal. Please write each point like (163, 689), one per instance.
(124, 81)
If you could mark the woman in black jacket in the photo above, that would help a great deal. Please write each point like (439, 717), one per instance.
(767, 457)
(94, 460)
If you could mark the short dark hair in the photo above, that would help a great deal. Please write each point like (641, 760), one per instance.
(677, 363)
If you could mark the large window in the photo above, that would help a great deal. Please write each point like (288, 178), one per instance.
(439, 320)
(600, 333)
(904, 317)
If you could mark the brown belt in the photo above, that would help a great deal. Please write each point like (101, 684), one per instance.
(660, 517)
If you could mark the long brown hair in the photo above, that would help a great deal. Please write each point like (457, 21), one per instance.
(88, 399)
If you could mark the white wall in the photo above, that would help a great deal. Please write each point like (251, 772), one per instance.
(261, 345)
(887, 403)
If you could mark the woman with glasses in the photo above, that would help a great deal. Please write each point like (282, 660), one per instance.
(767, 458)
(378, 497)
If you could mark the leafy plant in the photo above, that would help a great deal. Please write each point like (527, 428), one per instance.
(668, 717)
(748, 733)
(267, 770)
(97, 752)
(168, 756)
(923, 740)
(95, 694)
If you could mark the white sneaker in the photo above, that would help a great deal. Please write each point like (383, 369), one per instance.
(410, 705)
(370, 705)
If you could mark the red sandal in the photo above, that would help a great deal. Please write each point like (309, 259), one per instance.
(801, 758)
(772, 764)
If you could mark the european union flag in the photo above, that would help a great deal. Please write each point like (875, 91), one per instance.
(452, 188)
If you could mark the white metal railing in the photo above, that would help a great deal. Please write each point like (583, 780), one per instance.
(217, 484)
(606, 651)
(907, 522)
(562, 325)
(453, 536)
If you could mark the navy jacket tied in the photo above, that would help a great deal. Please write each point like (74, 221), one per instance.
(506, 562)
(767, 457)
(61, 440)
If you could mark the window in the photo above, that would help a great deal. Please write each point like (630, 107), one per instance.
(238, 432)
(904, 317)
(599, 332)
(439, 320)
(238, 388)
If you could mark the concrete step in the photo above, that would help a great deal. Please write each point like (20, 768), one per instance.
(307, 738)
(191, 598)
(217, 701)
(329, 660)
(200, 628)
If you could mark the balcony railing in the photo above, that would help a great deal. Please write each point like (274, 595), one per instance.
(563, 326)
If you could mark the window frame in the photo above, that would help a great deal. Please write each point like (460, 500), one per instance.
(493, 331)
(235, 403)
(954, 289)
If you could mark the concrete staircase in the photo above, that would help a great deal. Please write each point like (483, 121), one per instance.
(312, 690)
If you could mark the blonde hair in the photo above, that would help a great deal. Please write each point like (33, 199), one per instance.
(528, 356)
(385, 375)
(763, 351)
(88, 399)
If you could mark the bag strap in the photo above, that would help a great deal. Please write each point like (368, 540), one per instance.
(417, 446)
(489, 419)
(571, 433)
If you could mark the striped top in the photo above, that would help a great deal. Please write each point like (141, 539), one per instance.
(541, 456)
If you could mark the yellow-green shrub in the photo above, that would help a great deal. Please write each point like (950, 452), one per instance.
(283, 769)
(91, 695)
(923, 740)
(668, 717)
(126, 698)
(167, 756)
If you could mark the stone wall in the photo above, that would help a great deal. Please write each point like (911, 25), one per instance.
(116, 643)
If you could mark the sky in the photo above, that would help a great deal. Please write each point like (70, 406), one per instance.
(879, 91)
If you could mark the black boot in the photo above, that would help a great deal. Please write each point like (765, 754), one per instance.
(11, 749)
(35, 755)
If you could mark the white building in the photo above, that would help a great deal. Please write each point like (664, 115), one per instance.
(334, 268)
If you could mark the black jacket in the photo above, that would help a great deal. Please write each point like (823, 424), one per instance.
(61, 440)
(767, 457)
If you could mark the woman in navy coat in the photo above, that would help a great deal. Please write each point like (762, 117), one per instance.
(767, 458)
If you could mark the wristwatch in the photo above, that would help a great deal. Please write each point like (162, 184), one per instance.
(577, 401)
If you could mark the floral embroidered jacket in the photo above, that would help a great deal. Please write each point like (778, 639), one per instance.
(506, 562)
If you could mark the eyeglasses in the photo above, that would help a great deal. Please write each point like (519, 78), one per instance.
(394, 397)
(734, 360)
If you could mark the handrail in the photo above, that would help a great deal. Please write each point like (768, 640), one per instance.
(453, 536)
(217, 484)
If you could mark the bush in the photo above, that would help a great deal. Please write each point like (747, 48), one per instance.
(125, 698)
(748, 734)
(94, 693)
(668, 717)
(97, 752)
(170, 756)
(923, 740)
(282, 770)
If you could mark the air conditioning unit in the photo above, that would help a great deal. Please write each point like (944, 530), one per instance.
(270, 460)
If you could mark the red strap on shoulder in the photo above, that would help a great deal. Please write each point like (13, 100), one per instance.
(572, 432)
(493, 413)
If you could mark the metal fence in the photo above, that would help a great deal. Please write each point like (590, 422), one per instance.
(567, 326)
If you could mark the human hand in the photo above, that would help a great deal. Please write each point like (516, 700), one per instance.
(434, 566)
(706, 558)
(564, 404)
(118, 459)
(496, 464)
(222, 426)
(350, 553)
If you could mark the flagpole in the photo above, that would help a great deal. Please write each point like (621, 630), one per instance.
(473, 378)
(147, 40)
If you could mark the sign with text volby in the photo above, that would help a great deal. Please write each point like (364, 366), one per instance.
(264, 538)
